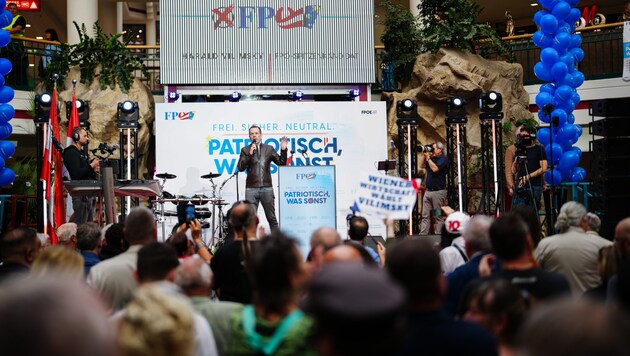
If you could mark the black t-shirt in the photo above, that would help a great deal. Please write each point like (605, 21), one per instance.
(535, 154)
(230, 276)
(77, 164)
(538, 283)
(437, 180)
(21, 21)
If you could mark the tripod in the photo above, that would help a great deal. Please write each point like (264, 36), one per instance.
(523, 192)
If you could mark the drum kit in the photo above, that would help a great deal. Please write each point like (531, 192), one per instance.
(200, 202)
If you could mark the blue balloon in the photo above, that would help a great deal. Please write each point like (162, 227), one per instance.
(561, 115)
(561, 42)
(542, 40)
(576, 41)
(567, 80)
(549, 24)
(559, 70)
(5, 38)
(574, 15)
(538, 15)
(553, 177)
(570, 159)
(542, 117)
(543, 98)
(549, 4)
(542, 72)
(563, 93)
(567, 132)
(578, 174)
(542, 135)
(554, 151)
(5, 17)
(5, 131)
(563, 27)
(548, 88)
(1, 162)
(6, 94)
(566, 174)
(5, 66)
(569, 106)
(577, 150)
(3, 4)
(578, 78)
(7, 176)
(578, 54)
(561, 10)
(579, 134)
(6, 113)
(571, 118)
(549, 56)
(1, 80)
(7, 149)
(576, 98)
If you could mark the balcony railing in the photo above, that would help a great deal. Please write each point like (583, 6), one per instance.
(602, 45)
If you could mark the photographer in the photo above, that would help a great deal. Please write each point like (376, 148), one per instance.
(436, 164)
(525, 164)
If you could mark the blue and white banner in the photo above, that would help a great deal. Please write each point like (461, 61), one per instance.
(626, 51)
(307, 201)
(386, 197)
(194, 139)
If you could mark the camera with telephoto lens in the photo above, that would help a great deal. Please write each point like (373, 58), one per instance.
(426, 148)
(523, 140)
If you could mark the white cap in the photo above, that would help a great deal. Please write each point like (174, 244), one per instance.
(456, 222)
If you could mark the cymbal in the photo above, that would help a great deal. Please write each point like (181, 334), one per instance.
(167, 195)
(210, 175)
(166, 175)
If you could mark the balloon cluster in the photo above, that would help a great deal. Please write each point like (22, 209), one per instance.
(557, 99)
(7, 176)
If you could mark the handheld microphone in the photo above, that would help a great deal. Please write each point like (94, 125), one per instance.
(304, 152)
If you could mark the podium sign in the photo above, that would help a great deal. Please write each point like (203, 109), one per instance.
(306, 200)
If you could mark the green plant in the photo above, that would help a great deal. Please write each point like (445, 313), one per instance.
(401, 39)
(25, 176)
(102, 51)
(451, 23)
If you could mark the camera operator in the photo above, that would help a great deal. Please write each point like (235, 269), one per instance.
(525, 163)
(436, 164)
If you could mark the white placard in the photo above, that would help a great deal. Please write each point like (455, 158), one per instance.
(386, 197)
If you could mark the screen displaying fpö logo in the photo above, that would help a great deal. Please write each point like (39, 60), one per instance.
(302, 176)
(369, 112)
(179, 115)
(262, 17)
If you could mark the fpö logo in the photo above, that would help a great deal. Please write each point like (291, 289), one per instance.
(303, 176)
(263, 17)
(179, 115)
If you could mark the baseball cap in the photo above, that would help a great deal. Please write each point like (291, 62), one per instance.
(456, 222)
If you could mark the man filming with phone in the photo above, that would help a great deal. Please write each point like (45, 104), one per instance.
(436, 164)
(525, 163)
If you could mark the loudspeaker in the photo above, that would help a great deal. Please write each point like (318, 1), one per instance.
(611, 127)
(610, 166)
(611, 147)
(609, 107)
(611, 185)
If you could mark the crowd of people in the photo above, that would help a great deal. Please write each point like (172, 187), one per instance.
(506, 291)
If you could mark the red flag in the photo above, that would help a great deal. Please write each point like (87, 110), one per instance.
(58, 209)
(74, 120)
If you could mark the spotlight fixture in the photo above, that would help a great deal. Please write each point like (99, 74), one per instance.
(297, 95)
(42, 108)
(128, 115)
(491, 106)
(354, 93)
(83, 108)
(406, 111)
(456, 111)
(235, 97)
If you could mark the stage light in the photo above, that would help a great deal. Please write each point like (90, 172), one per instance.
(406, 112)
(235, 97)
(491, 106)
(456, 111)
(83, 108)
(354, 93)
(128, 115)
(296, 95)
(42, 108)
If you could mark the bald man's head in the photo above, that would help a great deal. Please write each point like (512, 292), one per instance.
(327, 237)
(622, 237)
(343, 253)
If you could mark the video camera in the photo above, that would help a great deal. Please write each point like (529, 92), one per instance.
(523, 140)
